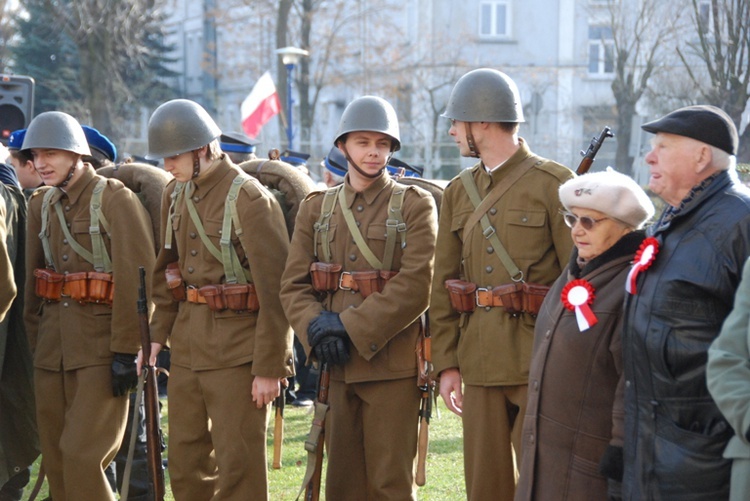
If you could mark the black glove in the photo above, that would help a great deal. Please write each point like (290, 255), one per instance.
(611, 464)
(324, 325)
(124, 374)
(332, 350)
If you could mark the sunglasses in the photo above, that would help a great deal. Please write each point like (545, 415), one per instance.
(587, 222)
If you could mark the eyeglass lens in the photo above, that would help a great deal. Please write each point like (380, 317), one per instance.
(586, 222)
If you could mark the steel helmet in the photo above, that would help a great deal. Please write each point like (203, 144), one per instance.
(485, 95)
(178, 126)
(370, 114)
(57, 131)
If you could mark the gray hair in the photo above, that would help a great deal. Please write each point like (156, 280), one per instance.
(721, 160)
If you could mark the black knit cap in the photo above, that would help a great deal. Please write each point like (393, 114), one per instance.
(708, 124)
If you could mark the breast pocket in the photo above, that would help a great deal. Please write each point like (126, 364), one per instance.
(526, 236)
(458, 223)
(214, 230)
(376, 236)
(79, 229)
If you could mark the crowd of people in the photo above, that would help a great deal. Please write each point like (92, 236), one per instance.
(592, 350)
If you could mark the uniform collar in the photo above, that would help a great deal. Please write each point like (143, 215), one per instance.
(486, 179)
(88, 174)
(371, 192)
(216, 172)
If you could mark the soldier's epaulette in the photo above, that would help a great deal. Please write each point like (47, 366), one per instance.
(39, 191)
(561, 172)
(313, 194)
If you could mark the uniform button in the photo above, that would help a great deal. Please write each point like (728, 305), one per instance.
(219, 232)
(65, 257)
(360, 208)
(16, 469)
(359, 224)
(531, 439)
(524, 219)
(487, 308)
(493, 211)
(190, 269)
(196, 198)
(490, 250)
(65, 240)
(536, 385)
(192, 234)
(373, 347)
(352, 257)
(193, 252)
(65, 304)
(546, 334)
(289, 361)
(488, 269)
(67, 208)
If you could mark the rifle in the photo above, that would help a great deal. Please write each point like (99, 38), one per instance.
(278, 428)
(151, 404)
(593, 149)
(314, 443)
(426, 385)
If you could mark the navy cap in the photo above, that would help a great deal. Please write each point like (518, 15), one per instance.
(295, 158)
(336, 162)
(100, 142)
(395, 165)
(708, 124)
(15, 140)
(237, 142)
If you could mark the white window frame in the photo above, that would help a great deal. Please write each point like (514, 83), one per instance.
(601, 45)
(495, 31)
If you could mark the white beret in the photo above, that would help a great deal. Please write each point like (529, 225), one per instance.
(611, 193)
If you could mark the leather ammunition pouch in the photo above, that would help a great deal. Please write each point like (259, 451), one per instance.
(220, 297)
(328, 277)
(325, 276)
(48, 284)
(533, 297)
(462, 295)
(175, 283)
(515, 297)
(82, 286)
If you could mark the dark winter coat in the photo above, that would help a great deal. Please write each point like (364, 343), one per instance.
(674, 432)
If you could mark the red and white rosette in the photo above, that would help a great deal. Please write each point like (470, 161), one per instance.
(643, 258)
(577, 296)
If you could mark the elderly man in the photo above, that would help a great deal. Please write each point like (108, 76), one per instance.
(681, 288)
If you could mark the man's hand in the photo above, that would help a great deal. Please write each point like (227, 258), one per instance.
(155, 349)
(124, 374)
(327, 324)
(332, 350)
(265, 390)
(450, 390)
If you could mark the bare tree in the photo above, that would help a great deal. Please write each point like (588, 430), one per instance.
(723, 47)
(6, 30)
(640, 31)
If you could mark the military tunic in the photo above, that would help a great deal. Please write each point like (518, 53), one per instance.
(491, 348)
(373, 398)
(80, 423)
(216, 355)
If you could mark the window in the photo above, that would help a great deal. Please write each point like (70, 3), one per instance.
(494, 18)
(704, 16)
(601, 50)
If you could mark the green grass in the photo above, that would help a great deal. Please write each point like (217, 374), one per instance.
(445, 480)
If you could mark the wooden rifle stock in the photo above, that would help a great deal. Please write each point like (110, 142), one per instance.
(317, 435)
(278, 429)
(426, 385)
(151, 403)
(590, 154)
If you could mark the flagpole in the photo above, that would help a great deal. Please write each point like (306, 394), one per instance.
(290, 56)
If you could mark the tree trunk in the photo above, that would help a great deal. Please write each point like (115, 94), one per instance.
(282, 26)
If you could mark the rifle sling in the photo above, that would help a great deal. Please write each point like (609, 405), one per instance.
(481, 206)
(311, 444)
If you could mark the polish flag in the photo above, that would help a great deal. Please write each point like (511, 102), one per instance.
(260, 105)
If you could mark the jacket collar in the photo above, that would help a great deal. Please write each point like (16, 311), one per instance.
(88, 174)
(625, 247)
(371, 192)
(218, 170)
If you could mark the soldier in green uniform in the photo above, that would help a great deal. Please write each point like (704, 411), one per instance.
(497, 267)
(356, 282)
(216, 291)
(86, 238)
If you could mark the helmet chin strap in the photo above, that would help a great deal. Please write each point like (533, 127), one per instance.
(473, 150)
(67, 179)
(358, 169)
(196, 164)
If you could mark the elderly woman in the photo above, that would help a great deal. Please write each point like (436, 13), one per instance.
(572, 433)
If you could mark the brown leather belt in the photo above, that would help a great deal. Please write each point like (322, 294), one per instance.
(485, 298)
(347, 282)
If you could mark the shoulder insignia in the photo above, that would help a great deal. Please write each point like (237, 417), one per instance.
(313, 194)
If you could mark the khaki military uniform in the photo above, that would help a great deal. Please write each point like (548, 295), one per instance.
(491, 348)
(216, 355)
(371, 429)
(80, 423)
